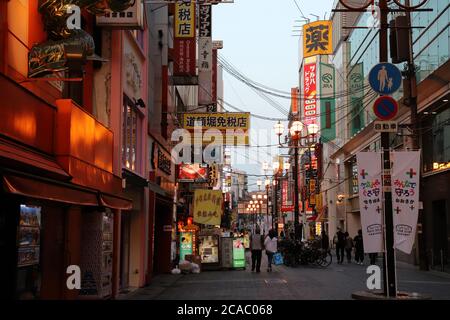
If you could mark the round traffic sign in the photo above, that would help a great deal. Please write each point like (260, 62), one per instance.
(385, 108)
(385, 78)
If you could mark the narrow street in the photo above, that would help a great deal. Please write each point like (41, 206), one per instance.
(337, 282)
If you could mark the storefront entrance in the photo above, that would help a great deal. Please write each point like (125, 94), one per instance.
(440, 235)
(125, 252)
(163, 236)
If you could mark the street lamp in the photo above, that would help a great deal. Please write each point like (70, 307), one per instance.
(259, 183)
(295, 132)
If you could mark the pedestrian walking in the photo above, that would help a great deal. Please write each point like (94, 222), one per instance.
(373, 258)
(270, 244)
(325, 241)
(348, 247)
(359, 248)
(256, 244)
(340, 245)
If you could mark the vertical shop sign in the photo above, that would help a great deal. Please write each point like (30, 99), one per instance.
(185, 244)
(327, 102)
(294, 100)
(184, 39)
(214, 75)
(370, 204)
(405, 197)
(356, 88)
(205, 59)
(310, 94)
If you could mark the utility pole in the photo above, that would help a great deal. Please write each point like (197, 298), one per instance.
(390, 286)
(390, 283)
(411, 91)
(296, 205)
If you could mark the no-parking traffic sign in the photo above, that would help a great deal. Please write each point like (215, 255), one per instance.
(385, 108)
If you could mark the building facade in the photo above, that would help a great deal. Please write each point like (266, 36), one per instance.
(355, 53)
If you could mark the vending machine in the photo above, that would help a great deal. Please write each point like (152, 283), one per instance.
(238, 253)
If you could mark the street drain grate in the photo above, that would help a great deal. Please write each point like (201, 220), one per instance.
(275, 281)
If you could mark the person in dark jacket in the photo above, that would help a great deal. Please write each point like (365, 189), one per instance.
(373, 258)
(340, 245)
(348, 247)
(325, 241)
(256, 245)
(359, 248)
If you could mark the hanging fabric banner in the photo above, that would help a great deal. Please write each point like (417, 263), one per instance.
(405, 197)
(370, 204)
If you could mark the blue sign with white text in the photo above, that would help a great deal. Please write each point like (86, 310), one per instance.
(385, 78)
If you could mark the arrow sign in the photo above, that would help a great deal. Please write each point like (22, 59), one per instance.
(385, 108)
(385, 78)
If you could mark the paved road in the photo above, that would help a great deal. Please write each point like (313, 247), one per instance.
(337, 282)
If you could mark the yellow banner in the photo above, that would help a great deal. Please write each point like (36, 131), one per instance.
(184, 20)
(208, 206)
(221, 121)
(319, 203)
(317, 38)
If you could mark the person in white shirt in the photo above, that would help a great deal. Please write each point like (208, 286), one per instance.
(270, 243)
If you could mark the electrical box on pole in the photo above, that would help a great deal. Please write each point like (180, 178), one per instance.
(399, 40)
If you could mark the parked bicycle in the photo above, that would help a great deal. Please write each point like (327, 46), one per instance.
(303, 253)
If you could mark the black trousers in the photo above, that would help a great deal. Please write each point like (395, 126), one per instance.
(359, 256)
(340, 253)
(349, 254)
(256, 259)
(373, 258)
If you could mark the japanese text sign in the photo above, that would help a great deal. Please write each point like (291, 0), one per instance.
(317, 38)
(184, 46)
(370, 200)
(405, 197)
(310, 93)
(184, 20)
(208, 206)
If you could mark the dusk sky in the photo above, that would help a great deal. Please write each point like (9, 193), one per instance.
(261, 40)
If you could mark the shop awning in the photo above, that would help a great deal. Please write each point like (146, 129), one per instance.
(320, 216)
(19, 158)
(34, 187)
(41, 189)
(115, 202)
(156, 189)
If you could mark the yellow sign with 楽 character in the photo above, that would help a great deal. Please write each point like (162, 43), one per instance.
(317, 38)
(208, 206)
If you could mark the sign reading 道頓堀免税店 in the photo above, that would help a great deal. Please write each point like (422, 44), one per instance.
(233, 127)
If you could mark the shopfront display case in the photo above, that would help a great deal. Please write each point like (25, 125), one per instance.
(28, 252)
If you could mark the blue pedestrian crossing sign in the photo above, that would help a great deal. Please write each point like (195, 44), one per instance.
(385, 78)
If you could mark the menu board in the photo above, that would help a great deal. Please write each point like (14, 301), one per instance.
(107, 254)
(209, 249)
(238, 253)
(247, 241)
(28, 236)
(185, 244)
